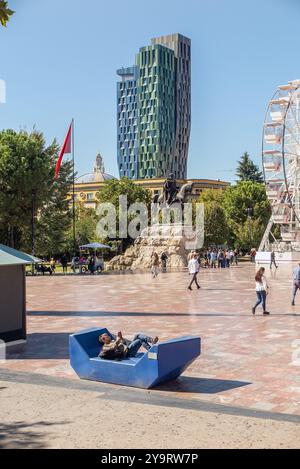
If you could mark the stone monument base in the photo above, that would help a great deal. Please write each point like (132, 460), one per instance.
(175, 241)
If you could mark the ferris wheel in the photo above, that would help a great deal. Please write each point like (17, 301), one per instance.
(281, 164)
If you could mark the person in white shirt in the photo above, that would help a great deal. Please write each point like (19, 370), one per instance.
(194, 268)
(261, 290)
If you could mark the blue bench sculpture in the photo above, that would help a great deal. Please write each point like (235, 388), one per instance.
(163, 362)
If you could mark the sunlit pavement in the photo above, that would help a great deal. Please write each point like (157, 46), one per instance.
(246, 361)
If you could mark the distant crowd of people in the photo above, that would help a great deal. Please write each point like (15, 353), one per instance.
(220, 258)
(212, 258)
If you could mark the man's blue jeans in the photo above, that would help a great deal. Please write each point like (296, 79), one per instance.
(296, 286)
(139, 341)
(261, 298)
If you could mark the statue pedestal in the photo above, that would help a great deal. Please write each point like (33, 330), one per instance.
(175, 240)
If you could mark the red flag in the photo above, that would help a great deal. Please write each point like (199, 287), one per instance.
(66, 148)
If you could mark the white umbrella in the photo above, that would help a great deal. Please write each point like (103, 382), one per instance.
(95, 246)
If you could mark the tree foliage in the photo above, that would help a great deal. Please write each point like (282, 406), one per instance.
(86, 222)
(248, 212)
(247, 170)
(115, 188)
(236, 216)
(238, 198)
(55, 218)
(28, 192)
(216, 228)
(5, 12)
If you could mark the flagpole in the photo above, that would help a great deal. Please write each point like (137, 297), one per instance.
(74, 211)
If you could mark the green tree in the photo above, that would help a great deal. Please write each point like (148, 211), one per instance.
(86, 222)
(216, 228)
(5, 12)
(247, 211)
(29, 197)
(114, 188)
(247, 170)
(55, 218)
(215, 225)
(212, 195)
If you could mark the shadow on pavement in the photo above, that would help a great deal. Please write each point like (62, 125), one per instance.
(41, 346)
(201, 385)
(105, 314)
(22, 435)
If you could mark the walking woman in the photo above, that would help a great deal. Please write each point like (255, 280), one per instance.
(154, 264)
(261, 291)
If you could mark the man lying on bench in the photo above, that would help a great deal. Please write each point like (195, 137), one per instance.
(117, 348)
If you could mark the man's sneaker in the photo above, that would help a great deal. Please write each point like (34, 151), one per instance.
(293, 303)
(266, 313)
(253, 310)
(190, 288)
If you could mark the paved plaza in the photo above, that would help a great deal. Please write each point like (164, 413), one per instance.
(249, 365)
(246, 361)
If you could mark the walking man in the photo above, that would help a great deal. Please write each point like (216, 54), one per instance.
(163, 259)
(91, 265)
(194, 268)
(236, 253)
(64, 263)
(213, 259)
(296, 282)
(220, 258)
(227, 258)
(252, 255)
(273, 261)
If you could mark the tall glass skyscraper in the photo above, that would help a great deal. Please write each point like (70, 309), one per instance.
(154, 110)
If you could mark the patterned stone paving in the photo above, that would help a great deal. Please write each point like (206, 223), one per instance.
(246, 361)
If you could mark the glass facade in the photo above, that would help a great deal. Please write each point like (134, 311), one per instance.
(127, 123)
(154, 110)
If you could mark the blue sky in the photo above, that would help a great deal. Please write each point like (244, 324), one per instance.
(59, 59)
